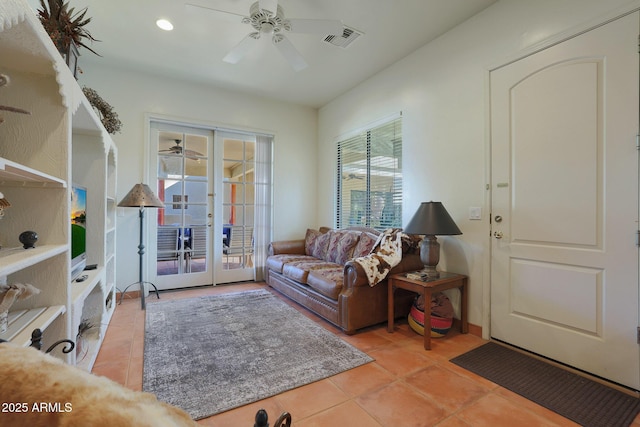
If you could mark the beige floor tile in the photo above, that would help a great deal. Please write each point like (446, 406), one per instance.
(400, 405)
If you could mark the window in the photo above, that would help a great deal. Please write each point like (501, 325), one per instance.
(369, 177)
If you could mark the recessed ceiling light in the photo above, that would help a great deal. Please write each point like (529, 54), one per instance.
(164, 24)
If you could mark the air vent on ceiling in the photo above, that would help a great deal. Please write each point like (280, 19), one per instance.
(345, 39)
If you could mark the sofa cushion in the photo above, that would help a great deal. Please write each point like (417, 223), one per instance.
(277, 262)
(365, 244)
(341, 244)
(315, 243)
(327, 281)
(299, 270)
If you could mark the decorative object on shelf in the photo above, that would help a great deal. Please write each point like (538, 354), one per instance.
(108, 117)
(4, 203)
(72, 59)
(430, 220)
(81, 338)
(28, 239)
(64, 26)
(8, 295)
(141, 196)
(36, 342)
(4, 81)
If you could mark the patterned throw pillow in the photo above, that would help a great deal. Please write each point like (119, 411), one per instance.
(341, 246)
(365, 244)
(310, 240)
(316, 244)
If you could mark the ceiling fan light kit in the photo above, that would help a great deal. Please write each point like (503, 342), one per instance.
(267, 18)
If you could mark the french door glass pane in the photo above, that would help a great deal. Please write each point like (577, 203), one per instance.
(238, 203)
(183, 187)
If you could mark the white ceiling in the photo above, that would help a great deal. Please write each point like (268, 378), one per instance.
(194, 49)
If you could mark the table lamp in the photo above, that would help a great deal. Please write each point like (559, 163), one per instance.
(430, 220)
(141, 196)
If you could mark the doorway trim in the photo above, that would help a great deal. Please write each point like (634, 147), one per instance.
(149, 169)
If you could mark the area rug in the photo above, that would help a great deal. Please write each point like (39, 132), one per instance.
(580, 399)
(210, 354)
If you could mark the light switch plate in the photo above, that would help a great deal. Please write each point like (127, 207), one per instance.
(475, 213)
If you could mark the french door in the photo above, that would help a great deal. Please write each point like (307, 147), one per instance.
(182, 162)
(235, 214)
(216, 222)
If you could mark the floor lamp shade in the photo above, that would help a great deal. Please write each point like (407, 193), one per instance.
(141, 196)
(431, 219)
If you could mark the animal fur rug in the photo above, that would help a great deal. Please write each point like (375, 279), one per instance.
(38, 390)
(385, 254)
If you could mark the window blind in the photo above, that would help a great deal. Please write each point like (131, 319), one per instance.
(369, 178)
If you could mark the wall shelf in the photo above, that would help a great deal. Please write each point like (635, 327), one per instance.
(23, 322)
(12, 173)
(16, 259)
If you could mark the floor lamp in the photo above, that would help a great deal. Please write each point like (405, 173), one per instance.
(140, 196)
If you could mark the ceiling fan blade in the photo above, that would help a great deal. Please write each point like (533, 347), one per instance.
(290, 53)
(270, 6)
(192, 154)
(242, 48)
(220, 15)
(317, 26)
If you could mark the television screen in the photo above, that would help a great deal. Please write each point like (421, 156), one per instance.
(78, 226)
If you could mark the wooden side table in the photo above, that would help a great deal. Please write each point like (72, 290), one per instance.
(426, 288)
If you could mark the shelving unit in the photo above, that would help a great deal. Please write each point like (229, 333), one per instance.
(42, 155)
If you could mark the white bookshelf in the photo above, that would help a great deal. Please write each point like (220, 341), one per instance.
(42, 155)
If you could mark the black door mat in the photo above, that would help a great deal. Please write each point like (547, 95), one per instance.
(580, 399)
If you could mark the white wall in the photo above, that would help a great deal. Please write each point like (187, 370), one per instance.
(441, 90)
(132, 94)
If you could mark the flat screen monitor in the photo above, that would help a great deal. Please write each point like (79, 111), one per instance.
(78, 230)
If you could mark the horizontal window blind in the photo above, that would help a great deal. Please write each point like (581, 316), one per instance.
(369, 181)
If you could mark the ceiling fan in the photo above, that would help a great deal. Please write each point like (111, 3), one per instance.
(178, 149)
(267, 19)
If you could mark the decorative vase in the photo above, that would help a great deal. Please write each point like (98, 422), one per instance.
(28, 239)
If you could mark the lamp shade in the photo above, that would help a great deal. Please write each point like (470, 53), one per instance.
(432, 219)
(140, 196)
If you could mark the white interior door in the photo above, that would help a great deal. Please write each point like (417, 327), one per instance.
(564, 268)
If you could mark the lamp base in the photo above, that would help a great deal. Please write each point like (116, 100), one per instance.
(142, 292)
(430, 255)
(430, 272)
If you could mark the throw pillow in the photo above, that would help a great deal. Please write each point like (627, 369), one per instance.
(365, 244)
(310, 240)
(341, 244)
(318, 243)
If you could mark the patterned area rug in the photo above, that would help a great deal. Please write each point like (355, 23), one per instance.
(211, 354)
(580, 399)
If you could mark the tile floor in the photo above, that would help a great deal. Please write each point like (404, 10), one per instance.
(404, 386)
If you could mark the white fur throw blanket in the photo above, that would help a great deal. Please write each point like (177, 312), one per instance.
(38, 390)
(385, 254)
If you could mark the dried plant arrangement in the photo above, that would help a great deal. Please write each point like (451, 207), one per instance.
(108, 117)
(64, 25)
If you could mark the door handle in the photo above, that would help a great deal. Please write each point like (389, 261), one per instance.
(497, 234)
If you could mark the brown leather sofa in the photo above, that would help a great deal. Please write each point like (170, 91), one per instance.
(319, 273)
